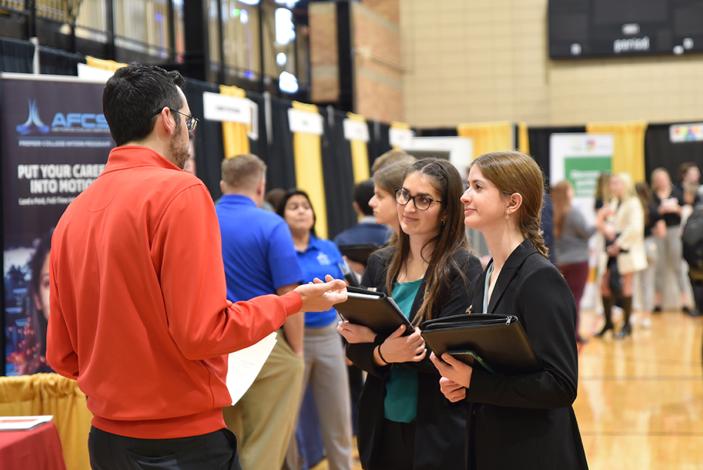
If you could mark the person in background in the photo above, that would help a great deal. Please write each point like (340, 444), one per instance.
(670, 202)
(139, 313)
(692, 238)
(391, 157)
(525, 420)
(367, 231)
(387, 181)
(273, 198)
(260, 259)
(571, 233)
(690, 182)
(404, 421)
(325, 370)
(622, 225)
(654, 227)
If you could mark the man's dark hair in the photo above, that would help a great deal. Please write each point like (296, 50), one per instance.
(134, 95)
(363, 192)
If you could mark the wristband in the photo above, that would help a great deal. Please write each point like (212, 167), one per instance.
(381, 355)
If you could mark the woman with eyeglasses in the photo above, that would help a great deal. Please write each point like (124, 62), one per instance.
(404, 421)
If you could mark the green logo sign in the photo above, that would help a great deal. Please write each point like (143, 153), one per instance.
(582, 173)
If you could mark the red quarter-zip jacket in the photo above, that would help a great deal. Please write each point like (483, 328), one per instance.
(139, 314)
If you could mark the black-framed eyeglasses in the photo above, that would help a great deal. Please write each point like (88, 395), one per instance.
(422, 201)
(191, 121)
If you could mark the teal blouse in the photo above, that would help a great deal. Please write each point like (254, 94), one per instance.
(400, 403)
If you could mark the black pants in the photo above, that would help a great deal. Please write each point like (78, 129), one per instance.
(397, 449)
(356, 385)
(216, 450)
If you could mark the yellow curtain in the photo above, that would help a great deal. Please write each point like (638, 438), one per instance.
(307, 152)
(628, 143)
(359, 153)
(234, 134)
(488, 136)
(103, 64)
(523, 139)
(52, 394)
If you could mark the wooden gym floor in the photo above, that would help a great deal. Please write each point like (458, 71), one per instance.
(640, 400)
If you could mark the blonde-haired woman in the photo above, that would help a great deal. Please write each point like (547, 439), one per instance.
(622, 226)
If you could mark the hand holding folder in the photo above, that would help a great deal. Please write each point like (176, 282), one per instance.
(497, 342)
(374, 310)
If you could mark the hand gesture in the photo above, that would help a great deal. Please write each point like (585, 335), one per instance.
(397, 348)
(355, 334)
(319, 296)
(453, 369)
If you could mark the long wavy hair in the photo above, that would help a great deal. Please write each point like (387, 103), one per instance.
(450, 237)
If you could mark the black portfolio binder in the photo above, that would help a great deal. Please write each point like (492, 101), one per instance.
(358, 253)
(374, 310)
(498, 340)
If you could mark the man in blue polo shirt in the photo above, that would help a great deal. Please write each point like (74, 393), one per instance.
(259, 258)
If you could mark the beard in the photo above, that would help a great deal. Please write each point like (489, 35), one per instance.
(179, 152)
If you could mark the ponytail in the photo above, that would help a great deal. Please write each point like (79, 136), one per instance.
(534, 233)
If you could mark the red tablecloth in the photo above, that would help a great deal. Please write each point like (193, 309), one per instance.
(37, 448)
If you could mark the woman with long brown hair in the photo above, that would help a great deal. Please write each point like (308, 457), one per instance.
(571, 235)
(404, 421)
(524, 420)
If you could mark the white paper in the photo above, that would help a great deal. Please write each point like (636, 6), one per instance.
(16, 423)
(245, 365)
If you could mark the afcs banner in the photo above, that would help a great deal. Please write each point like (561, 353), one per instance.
(54, 141)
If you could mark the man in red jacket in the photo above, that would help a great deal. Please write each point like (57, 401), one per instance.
(139, 314)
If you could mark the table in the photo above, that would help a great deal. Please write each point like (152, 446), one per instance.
(37, 448)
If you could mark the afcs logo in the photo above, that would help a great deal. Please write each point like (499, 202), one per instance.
(69, 122)
(33, 121)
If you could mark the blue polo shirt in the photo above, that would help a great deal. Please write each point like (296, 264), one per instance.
(257, 249)
(320, 258)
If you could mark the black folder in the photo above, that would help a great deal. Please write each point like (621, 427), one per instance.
(358, 253)
(374, 310)
(499, 340)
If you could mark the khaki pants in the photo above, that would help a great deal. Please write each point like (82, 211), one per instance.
(264, 419)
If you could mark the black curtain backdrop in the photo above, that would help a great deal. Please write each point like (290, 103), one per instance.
(279, 156)
(209, 150)
(57, 62)
(16, 56)
(539, 144)
(659, 151)
(338, 173)
(379, 140)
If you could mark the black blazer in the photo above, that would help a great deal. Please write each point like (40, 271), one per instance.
(440, 426)
(526, 421)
